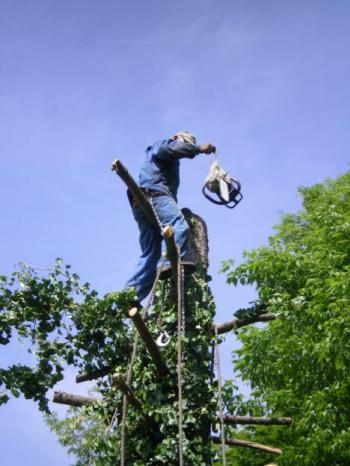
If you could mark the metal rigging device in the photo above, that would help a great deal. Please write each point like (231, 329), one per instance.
(220, 188)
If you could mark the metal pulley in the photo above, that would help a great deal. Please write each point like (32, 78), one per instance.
(220, 188)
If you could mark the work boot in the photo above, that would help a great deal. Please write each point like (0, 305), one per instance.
(189, 267)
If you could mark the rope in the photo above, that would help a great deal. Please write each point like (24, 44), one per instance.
(131, 367)
(125, 400)
(180, 334)
(221, 406)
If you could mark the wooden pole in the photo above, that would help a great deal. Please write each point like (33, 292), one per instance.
(152, 348)
(132, 400)
(250, 420)
(237, 323)
(72, 400)
(84, 376)
(248, 444)
(140, 198)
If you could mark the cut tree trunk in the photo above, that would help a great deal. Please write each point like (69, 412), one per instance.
(197, 243)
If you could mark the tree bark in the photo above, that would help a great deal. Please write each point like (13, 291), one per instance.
(197, 244)
(248, 444)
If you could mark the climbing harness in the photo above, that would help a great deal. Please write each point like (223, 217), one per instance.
(220, 401)
(220, 188)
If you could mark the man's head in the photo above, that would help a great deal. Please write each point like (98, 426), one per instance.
(185, 136)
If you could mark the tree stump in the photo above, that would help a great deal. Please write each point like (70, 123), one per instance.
(197, 243)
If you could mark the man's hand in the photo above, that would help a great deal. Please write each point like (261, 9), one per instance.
(206, 148)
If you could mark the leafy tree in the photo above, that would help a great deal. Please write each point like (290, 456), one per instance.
(65, 323)
(299, 364)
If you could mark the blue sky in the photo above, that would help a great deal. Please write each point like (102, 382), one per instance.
(83, 82)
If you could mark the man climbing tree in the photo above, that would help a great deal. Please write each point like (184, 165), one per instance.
(159, 180)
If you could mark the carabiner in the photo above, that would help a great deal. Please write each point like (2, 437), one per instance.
(163, 339)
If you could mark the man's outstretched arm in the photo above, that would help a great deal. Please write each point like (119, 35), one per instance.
(176, 149)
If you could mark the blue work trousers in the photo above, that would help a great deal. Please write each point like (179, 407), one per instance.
(152, 243)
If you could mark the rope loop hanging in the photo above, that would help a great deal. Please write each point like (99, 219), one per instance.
(130, 369)
(180, 335)
(220, 401)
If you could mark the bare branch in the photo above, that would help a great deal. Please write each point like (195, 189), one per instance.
(248, 444)
(128, 393)
(237, 323)
(140, 198)
(72, 400)
(250, 420)
(144, 204)
(96, 374)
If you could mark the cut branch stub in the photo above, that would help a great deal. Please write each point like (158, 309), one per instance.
(197, 245)
(248, 444)
(84, 376)
(151, 346)
(124, 388)
(129, 395)
(72, 400)
(237, 323)
(250, 420)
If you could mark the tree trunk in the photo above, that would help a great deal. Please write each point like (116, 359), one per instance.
(197, 243)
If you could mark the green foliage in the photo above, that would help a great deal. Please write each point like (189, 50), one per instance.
(65, 323)
(78, 431)
(299, 364)
(61, 323)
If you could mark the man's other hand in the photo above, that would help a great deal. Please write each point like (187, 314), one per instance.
(206, 148)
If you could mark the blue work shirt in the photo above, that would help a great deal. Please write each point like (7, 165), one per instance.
(160, 168)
